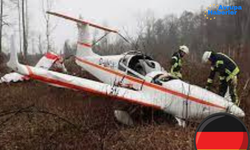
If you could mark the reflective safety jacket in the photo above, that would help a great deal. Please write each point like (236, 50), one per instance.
(223, 64)
(176, 63)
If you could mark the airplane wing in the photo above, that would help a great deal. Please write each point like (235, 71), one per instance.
(80, 84)
(45, 62)
(12, 77)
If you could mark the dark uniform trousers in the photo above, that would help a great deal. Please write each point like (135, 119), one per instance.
(232, 85)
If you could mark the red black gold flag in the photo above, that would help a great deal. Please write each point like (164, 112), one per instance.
(222, 131)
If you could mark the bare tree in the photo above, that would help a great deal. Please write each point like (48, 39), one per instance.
(1, 25)
(25, 41)
(40, 44)
(19, 25)
(17, 4)
(47, 6)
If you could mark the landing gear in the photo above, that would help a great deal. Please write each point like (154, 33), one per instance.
(181, 122)
(123, 117)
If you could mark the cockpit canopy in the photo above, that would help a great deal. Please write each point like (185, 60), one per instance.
(135, 62)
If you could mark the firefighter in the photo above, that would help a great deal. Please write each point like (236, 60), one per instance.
(228, 72)
(176, 61)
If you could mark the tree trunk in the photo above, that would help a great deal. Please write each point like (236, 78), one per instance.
(27, 23)
(25, 45)
(20, 27)
(1, 25)
(48, 33)
(48, 28)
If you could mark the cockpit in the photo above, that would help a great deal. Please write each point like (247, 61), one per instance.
(137, 64)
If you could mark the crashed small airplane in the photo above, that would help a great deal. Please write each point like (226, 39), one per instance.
(131, 77)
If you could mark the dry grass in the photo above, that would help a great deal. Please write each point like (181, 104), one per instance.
(46, 117)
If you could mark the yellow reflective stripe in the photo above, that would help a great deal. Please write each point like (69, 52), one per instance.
(175, 65)
(219, 62)
(176, 74)
(172, 69)
(228, 71)
(234, 73)
(228, 58)
(209, 80)
(222, 77)
(174, 57)
(180, 62)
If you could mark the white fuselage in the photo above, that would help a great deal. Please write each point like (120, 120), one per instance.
(175, 96)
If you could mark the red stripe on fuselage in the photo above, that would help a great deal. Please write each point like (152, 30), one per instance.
(151, 85)
(84, 44)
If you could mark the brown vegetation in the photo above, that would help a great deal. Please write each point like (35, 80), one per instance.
(38, 116)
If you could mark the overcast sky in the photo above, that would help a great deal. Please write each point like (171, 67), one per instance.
(117, 14)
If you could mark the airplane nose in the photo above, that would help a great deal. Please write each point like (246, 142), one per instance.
(235, 110)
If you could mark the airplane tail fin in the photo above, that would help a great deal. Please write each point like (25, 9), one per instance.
(84, 43)
(13, 62)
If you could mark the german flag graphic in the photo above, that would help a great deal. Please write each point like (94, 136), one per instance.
(222, 131)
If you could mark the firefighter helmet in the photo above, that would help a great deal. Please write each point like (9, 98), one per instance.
(184, 49)
(206, 56)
